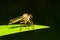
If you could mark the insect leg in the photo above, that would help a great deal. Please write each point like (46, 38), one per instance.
(26, 24)
(21, 25)
(31, 22)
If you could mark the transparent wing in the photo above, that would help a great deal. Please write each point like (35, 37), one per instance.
(14, 20)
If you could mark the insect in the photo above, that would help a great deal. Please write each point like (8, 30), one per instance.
(24, 19)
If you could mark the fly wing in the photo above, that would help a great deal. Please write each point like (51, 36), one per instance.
(14, 20)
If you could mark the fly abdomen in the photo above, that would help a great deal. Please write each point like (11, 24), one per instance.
(14, 20)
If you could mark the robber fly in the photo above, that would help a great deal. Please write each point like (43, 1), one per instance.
(25, 18)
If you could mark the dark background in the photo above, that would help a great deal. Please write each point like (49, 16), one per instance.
(43, 11)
